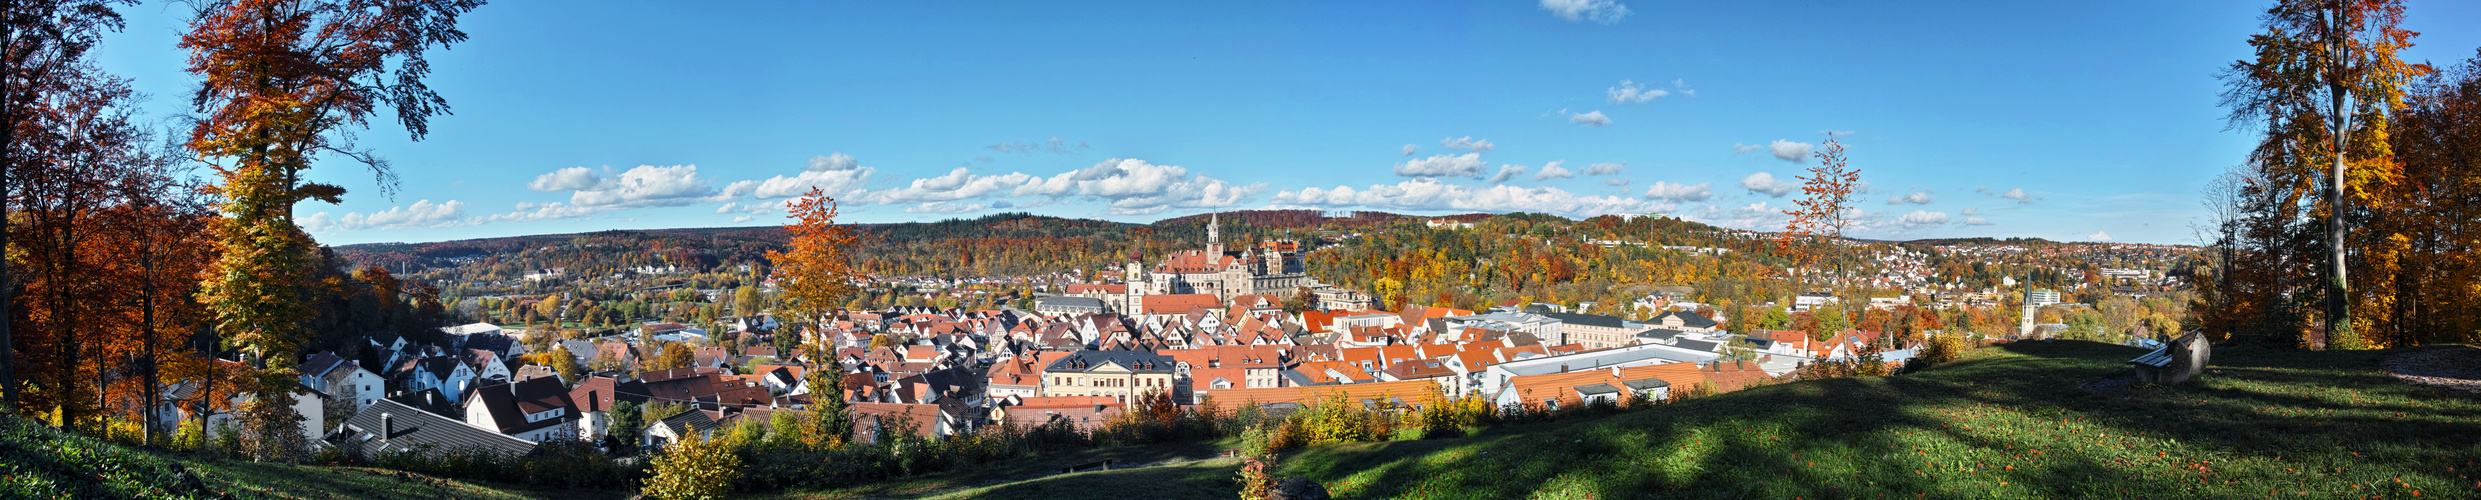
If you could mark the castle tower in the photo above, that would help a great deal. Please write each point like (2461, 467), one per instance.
(1214, 235)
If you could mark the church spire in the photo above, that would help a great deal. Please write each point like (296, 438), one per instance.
(1214, 234)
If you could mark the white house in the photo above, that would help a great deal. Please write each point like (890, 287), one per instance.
(343, 379)
(449, 374)
(535, 410)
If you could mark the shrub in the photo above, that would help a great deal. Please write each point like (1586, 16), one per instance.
(693, 469)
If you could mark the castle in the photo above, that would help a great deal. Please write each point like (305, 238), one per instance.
(1270, 268)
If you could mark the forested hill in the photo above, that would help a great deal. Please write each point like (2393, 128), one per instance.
(993, 245)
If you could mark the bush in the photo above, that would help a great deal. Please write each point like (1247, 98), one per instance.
(693, 469)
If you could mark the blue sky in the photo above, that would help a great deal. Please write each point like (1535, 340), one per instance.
(2060, 120)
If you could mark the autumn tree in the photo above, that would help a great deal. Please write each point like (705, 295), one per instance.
(282, 82)
(1816, 230)
(814, 269)
(693, 468)
(40, 40)
(2323, 87)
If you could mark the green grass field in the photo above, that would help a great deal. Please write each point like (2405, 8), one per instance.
(40, 462)
(2014, 421)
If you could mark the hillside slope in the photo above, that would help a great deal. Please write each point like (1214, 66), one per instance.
(37, 461)
(2031, 420)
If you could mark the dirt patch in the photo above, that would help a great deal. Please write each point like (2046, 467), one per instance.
(2456, 368)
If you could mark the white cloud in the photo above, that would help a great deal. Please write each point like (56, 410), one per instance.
(1755, 216)
(2018, 195)
(1920, 218)
(1970, 211)
(1794, 152)
(1921, 197)
(833, 162)
(533, 212)
(1682, 84)
(1133, 186)
(1668, 191)
(1762, 182)
(1976, 221)
(958, 184)
(1598, 11)
(740, 219)
(1429, 194)
(1615, 182)
(1507, 172)
(421, 214)
(1409, 149)
(565, 179)
(1629, 92)
(727, 208)
(1054, 145)
(945, 207)
(837, 175)
(1738, 148)
(1591, 119)
(645, 186)
(1605, 168)
(2099, 236)
(1554, 170)
(1466, 165)
(1467, 143)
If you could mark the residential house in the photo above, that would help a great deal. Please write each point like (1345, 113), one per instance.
(595, 396)
(671, 429)
(535, 410)
(342, 379)
(1117, 374)
(391, 427)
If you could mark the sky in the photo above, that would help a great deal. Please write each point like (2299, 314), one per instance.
(2071, 121)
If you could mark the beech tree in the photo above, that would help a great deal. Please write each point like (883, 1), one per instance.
(39, 41)
(2323, 87)
(281, 83)
(814, 269)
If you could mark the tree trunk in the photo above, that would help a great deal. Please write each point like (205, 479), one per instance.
(2338, 306)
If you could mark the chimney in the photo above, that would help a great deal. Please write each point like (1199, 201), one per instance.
(387, 426)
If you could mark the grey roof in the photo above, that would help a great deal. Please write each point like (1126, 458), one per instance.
(1697, 345)
(1596, 389)
(1659, 334)
(1639, 385)
(412, 430)
(1587, 319)
(1135, 361)
(1688, 319)
(693, 420)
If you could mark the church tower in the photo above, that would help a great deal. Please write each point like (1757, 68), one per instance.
(1214, 236)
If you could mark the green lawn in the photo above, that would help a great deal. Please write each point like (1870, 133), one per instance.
(2015, 421)
(39, 462)
(1017, 478)
(2008, 422)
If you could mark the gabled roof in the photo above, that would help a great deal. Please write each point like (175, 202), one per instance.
(1687, 319)
(509, 404)
(406, 428)
(692, 421)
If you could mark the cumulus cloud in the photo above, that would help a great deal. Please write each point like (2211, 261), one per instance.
(1628, 92)
(1766, 183)
(1597, 11)
(1976, 221)
(1554, 170)
(1919, 218)
(2017, 194)
(1738, 148)
(1615, 182)
(534, 212)
(1054, 145)
(1467, 143)
(741, 219)
(1794, 152)
(1590, 119)
(421, 214)
(1604, 168)
(565, 179)
(2099, 236)
(1129, 186)
(1429, 194)
(1466, 165)
(1754, 216)
(945, 207)
(1410, 149)
(648, 186)
(832, 163)
(1507, 172)
(1682, 84)
(1673, 192)
(1919, 197)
